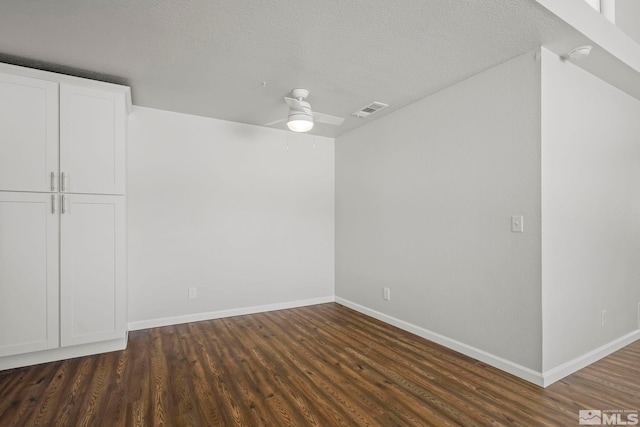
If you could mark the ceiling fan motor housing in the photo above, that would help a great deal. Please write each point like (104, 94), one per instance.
(300, 94)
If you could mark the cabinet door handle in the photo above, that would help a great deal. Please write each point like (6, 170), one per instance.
(53, 181)
(53, 203)
(62, 203)
(62, 186)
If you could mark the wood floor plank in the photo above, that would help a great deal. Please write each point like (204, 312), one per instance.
(440, 380)
(323, 365)
(417, 372)
(296, 363)
(496, 386)
(352, 371)
(280, 397)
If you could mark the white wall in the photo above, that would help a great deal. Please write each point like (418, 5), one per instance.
(591, 211)
(229, 209)
(607, 8)
(424, 199)
(594, 4)
(627, 14)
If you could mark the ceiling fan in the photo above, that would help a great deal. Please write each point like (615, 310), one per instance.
(301, 117)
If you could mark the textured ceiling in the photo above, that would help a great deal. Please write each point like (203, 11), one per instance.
(210, 57)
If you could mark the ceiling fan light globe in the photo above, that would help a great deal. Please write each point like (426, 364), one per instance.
(300, 122)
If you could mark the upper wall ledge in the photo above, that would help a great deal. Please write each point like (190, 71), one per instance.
(615, 57)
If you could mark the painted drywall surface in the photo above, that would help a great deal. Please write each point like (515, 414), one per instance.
(591, 211)
(243, 213)
(628, 17)
(594, 4)
(608, 9)
(424, 199)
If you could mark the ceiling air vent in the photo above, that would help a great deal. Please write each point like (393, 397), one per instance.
(369, 109)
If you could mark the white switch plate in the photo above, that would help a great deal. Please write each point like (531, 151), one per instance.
(386, 293)
(517, 224)
(193, 293)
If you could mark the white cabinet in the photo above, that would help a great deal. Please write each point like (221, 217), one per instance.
(92, 275)
(28, 134)
(92, 140)
(61, 135)
(62, 241)
(28, 272)
(61, 257)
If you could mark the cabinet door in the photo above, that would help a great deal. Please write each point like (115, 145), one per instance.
(92, 276)
(28, 134)
(28, 273)
(92, 141)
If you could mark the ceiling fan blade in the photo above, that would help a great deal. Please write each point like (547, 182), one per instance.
(275, 122)
(327, 118)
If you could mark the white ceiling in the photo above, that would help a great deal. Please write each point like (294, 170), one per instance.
(210, 57)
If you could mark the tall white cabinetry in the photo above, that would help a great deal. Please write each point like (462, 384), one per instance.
(28, 133)
(29, 272)
(92, 260)
(92, 135)
(62, 216)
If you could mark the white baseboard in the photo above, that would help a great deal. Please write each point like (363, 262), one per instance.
(587, 359)
(197, 317)
(481, 355)
(53, 355)
(542, 379)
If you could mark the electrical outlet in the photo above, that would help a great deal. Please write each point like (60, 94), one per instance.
(603, 318)
(193, 293)
(639, 315)
(386, 294)
(517, 224)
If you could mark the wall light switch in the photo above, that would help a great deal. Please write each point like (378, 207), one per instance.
(517, 225)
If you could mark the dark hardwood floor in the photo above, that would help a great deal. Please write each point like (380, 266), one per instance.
(323, 365)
